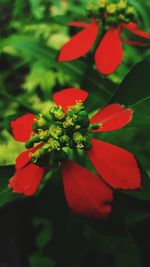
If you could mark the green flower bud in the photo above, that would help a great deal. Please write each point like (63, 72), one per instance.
(64, 139)
(83, 114)
(53, 144)
(112, 20)
(35, 138)
(95, 126)
(83, 118)
(68, 123)
(35, 126)
(78, 137)
(77, 127)
(44, 135)
(29, 144)
(74, 118)
(57, 113)
(55, 131)
(75, 110)
(40, 123)
(63, 132)
(43, 149)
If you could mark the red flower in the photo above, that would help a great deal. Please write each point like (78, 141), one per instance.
(109, 53)
(87, 194)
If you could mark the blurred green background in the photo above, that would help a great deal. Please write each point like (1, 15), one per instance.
(32, 33)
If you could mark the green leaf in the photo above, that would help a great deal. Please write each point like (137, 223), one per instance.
(6, 195)
(142, 10)
(46, 231)
(123, 248)
(38, 260)
(101, 89)
(133, 210)
(37, 8)
(144, 192)
(134, 92)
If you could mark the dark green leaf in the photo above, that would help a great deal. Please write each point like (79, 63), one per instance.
(6, 195)
(134, 92)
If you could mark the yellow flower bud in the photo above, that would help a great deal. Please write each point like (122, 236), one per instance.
(131, 10)
(102, 3)
(111, 8)
(122, 5)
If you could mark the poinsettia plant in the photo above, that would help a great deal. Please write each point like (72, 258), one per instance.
(75, 162)
(109, 19)
(69, 129)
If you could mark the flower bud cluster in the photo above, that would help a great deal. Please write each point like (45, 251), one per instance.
(59, 133)
(114, 11)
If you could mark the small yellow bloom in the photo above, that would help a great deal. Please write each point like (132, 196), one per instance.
(111, 8)
(102, 3)
(131, 10)
(121, 17)
(122, 5)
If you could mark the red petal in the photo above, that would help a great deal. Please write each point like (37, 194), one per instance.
(24, 157)
(78, 24)
(80, 44)
(22, 127)
(109, 53)
(133, 27)
(134, 43)
(117, 166)
(86, 193)
(112, 117)
(130, 25)
(69, 96)
(27, 180)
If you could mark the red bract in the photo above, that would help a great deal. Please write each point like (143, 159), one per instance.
(22, 127)
(28, 176)
(109, 53)
(87, 194)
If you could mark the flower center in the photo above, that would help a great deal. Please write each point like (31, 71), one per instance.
(115, 11)
(60, 133)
